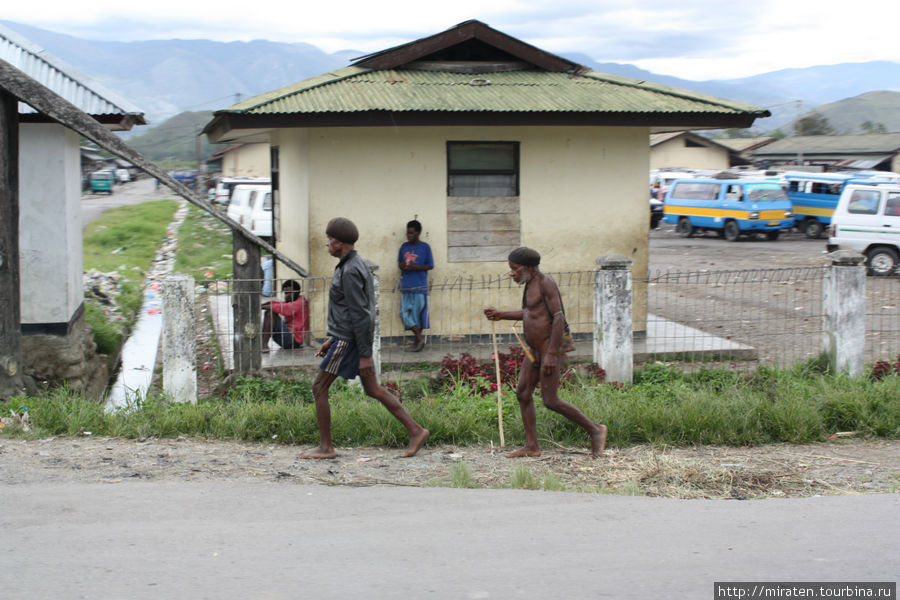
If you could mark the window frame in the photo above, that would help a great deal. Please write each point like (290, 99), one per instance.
(515, 171)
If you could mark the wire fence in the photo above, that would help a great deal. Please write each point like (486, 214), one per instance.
(747, 318)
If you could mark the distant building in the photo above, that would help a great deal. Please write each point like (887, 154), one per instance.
(876, 151)
(686, 150)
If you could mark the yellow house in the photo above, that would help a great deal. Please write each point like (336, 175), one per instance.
(489, 142)
(244, 160)
(686, 150)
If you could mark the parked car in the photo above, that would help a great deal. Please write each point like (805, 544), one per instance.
(867, 220)
(186, 176)
(251, 206)
(102, 181)
(732, 207)
(225, 186)
(122, 176)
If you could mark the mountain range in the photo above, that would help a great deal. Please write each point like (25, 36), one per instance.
(167, 77)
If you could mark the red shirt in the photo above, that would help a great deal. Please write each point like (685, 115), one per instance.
(296, 316)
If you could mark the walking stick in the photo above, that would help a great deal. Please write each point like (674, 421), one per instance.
(499, 391)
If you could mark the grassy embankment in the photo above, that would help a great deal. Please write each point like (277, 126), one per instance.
(664, 406)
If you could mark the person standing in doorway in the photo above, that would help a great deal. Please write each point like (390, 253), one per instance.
(543, 322)
(351, 330)
(415, 260)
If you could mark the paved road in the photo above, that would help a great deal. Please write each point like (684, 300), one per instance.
(135, 192)
(278, 540)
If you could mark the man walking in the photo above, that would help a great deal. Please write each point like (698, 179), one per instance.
(348, 350)
(543, 322)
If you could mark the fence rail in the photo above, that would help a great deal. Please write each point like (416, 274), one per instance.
(772, 317)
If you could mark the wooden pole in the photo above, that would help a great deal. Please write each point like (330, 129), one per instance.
(499, 386)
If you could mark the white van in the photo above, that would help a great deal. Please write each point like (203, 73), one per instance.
(867, 220)
(225, 186)
(251, 206)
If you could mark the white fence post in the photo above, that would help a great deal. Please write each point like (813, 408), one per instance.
(613, 339)
(376, 340)
(178, 338)
(844, 311)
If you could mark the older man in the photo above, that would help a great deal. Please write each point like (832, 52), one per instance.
(543, 322)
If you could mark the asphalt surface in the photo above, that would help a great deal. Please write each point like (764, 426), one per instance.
(271, 540)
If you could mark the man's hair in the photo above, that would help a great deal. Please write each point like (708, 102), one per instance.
(415, 225)
(290, 285)
(525, 256)
(343, 230)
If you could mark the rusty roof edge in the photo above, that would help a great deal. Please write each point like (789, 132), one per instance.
(676, 92)
(297, 87)
(89, 83)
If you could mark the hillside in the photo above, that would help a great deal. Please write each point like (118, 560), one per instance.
(175, 138)
(878, 108)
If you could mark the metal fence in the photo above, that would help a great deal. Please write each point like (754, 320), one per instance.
(744, 318)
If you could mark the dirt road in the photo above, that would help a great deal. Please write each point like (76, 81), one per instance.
(842, 466)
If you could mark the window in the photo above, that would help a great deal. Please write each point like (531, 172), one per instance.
(863, 202)
(892, 207)
(482, 168)
(696, 191)
(482, 201)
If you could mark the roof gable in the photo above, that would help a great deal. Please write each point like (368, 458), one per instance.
(470, 41)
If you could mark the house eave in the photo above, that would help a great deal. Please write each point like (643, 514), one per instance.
(230, 127)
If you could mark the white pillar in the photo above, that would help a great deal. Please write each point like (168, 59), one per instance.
(613, 342)
(844, 312)
(179, 338)
(376, 340)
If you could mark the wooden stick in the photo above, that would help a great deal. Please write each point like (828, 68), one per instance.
(499, 387)
(521, 343)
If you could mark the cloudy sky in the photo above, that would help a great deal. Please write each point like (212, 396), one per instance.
(693, 39)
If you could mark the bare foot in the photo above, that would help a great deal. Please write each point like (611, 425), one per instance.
(524, 452)
(416, 443)
(319, 452)
(598, 441)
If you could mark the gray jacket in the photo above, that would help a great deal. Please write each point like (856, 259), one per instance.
(351, 303)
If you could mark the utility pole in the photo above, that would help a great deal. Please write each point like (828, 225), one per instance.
(799, 131)
(201, 171)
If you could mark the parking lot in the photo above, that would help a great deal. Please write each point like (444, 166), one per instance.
(668, 251)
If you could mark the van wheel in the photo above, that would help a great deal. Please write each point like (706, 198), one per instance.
(773, 235)
(882, 261)
(732, 231)
(813, 228)
(684, 227)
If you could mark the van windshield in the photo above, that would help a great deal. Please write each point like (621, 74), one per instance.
(760, 193)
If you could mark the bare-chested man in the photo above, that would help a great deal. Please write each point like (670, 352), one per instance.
(348, 350)
(543, 321)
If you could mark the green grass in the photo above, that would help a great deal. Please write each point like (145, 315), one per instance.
(664, 407)
(123, 240)
(204, 249)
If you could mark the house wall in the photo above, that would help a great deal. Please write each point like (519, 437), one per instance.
(674, 154)
(49, 224)
(895, 163)
(248, 160)
(583, 195)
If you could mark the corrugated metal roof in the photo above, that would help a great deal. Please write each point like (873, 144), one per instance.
(833, 144)
(356, 89)
(61, 78)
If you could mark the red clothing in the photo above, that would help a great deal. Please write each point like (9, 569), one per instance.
(296, 316)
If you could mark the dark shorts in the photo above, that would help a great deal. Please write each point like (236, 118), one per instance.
(283, 336)
(342, 359)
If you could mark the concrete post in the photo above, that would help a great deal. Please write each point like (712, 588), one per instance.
(179, 339)
(613, 344)
(376, 340)
(844, 311)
